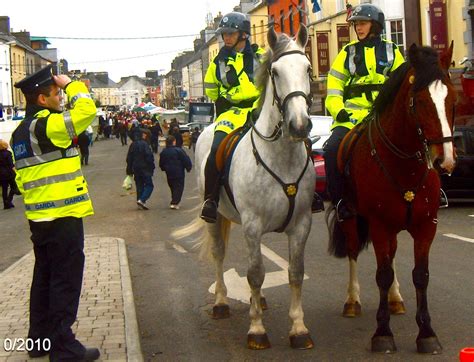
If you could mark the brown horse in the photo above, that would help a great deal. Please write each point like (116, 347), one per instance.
(392, 181)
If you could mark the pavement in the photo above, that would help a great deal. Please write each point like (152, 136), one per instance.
(106, 318)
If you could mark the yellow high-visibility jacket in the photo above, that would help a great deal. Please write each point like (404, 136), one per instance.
(356, 76)
(47, 162)
(231, 87)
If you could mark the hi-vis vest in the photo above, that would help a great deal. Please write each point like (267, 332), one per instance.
(357, 75)
(47, 162)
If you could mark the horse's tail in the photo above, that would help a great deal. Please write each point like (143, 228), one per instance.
(222, 230)
(337, 239)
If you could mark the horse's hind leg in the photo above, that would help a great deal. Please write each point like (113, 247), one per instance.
(395, 300)
(299, 334)
(218, 232)
(426, 341)
(257, 336)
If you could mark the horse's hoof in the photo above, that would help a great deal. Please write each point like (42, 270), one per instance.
(263, 303)
(396, 308)
(258, 341)
(220, 311)
(352, 310)
(429, 345)
(302, 341)
(383, 344)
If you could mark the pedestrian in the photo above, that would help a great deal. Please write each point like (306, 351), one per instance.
(177, 135)
(156, 132)
(354, 82)
(122, 129)
(173, 160)
(90, 133)
(56, 200)
(194, 137)
(7, 175)
(141, 164)
(83, 141)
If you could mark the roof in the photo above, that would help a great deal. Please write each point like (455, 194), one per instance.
(40, 38)
(100, 80)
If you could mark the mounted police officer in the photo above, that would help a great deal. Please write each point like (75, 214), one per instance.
(230, 83)
(354, 81)
(56, 199)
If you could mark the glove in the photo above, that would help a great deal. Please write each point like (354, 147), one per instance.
(343, 116)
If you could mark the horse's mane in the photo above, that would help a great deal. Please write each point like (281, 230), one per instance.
(262, 74)
(427, 70)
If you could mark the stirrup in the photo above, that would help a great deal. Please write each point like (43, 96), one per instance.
(342, 212)
(209, 211)
(443, 199)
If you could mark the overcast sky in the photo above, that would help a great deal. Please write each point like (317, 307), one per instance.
(115, 19)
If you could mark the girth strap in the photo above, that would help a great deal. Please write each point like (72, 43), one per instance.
(290, 189)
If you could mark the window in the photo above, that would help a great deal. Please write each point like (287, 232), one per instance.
(262, 33)
(254, 34)
(301, 12)
(340, 5)
(292, 28)
(396, 34)
(282, 21)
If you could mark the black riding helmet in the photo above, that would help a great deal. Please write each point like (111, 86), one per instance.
(233, 22)
(369, 12)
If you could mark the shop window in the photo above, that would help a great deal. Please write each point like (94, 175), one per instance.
(282, 21)
(396, 34)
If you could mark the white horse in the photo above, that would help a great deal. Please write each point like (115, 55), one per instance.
(272, 182)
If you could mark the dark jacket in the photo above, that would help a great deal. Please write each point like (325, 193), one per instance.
(140, 159)
(173, 160)
(83, 142)
(6, 166)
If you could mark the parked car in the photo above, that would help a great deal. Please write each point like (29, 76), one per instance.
(460, 185)
(319, 135)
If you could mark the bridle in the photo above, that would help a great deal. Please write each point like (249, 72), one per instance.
(281, 105)
(407, 194)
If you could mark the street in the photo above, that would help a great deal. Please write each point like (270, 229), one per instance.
(170, 283)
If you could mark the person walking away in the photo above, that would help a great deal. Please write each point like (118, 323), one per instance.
(173, 160)
(122, 129)
(194, 137)
(56, 198)
(354, 81)
(83, 143)
(141, 164)
(156, 132)
(90, 133)
(7, 175)
(177, 135)
(230, 83)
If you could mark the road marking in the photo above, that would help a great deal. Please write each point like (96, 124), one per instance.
(454, 236)
(238, 288)
(471, 215)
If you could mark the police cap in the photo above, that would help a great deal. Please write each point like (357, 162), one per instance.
(41, 78)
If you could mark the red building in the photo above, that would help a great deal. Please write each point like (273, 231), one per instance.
(287, 15)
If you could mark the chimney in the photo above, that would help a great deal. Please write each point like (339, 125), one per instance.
(5, 25)
(23, 36)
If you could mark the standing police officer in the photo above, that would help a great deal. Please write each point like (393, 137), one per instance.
(56, 199)
(354, 81)
(230, 83)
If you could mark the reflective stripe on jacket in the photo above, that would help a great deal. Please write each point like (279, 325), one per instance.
(48, 165)
(357, 70)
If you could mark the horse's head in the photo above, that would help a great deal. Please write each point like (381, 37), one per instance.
(431, 102)
(290, 72)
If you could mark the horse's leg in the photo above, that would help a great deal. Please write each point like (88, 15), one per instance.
(256, 337)
(352, 306)
(382, 340)
(299, 334)
(395, 300)
(426, 341)
(218, 250)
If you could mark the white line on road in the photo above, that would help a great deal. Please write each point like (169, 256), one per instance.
(471, 215)
(454, 236)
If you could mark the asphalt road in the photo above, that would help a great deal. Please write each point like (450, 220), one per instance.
(171, 283)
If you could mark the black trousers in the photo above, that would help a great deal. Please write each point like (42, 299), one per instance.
(8, 190)
(211, 182)
(57, 282)
(335, 179)
(177, 187)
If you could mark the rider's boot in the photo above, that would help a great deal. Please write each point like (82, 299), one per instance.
(342, 211)
(443, 199)
(318, 204)
(211, 193)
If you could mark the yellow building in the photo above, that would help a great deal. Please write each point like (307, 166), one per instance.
(259, 25)
(18, 72)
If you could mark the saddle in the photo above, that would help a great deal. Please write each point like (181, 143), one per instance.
(227, 147)
(344, 155)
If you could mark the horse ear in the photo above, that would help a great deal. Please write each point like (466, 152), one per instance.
(272, 37)
(302, 37)
(413, 53)
(446, 56)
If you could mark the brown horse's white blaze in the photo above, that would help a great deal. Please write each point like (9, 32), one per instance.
(439, 92)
